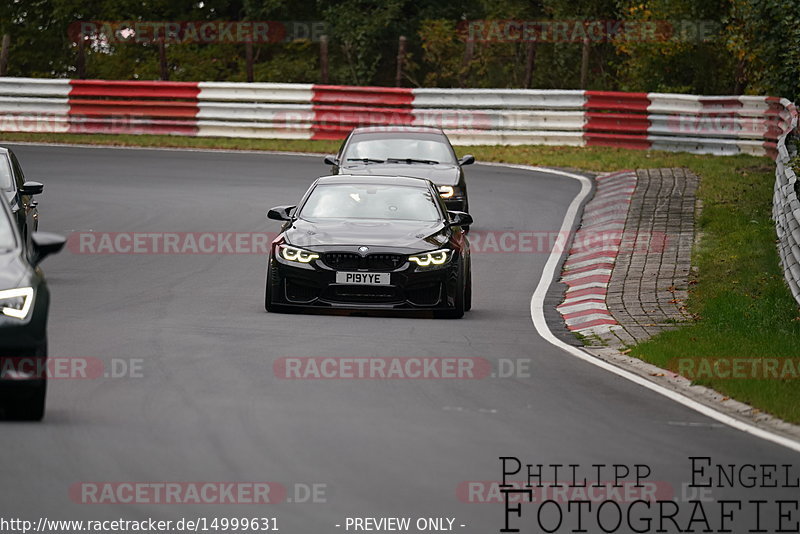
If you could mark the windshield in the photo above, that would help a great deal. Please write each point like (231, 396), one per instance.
(430, 148)
(6, 178)
(370, 201)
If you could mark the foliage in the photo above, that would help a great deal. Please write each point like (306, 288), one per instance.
(764, 35)
(750, 46)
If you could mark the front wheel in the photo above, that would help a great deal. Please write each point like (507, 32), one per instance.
(30, 404)
(268, 305)
(457, 312)
(468, 293)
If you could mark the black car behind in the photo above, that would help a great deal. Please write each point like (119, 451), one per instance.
(406, 151)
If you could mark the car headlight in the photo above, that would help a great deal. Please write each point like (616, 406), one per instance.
(432, 259)
(290, 253)
(446, 191)
(17, 302)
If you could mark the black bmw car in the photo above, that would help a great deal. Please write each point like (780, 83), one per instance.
(24, 303)
(370, 243)
(406, 151)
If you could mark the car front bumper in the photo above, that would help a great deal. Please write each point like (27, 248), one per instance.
(410, 289)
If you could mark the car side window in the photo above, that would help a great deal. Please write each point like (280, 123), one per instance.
(6, 176)
(18, 175)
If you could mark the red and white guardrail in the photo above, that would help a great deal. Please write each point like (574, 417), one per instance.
(659, 121)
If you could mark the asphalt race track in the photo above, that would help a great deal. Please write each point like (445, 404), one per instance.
(207, 406)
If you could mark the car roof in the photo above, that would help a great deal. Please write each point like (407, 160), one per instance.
(377, 180)
(4, 150)
(399, 130)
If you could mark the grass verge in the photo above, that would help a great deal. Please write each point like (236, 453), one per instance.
(742, 306)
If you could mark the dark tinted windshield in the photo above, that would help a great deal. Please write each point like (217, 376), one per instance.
(418, 147)
(368, 201)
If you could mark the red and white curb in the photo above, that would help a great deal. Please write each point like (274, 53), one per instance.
(587, 270)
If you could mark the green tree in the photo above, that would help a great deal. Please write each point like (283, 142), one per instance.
(764, 37)
(688, 53)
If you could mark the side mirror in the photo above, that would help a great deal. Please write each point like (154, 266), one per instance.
(331, 160)
(459, 218)
(45, 244)
(32, 188)
(469, 159)
(281, 213)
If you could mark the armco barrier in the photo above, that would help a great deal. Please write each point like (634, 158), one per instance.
(700, 124)
(28, 104)
(98, 106)
(721, 125)
(786, 207)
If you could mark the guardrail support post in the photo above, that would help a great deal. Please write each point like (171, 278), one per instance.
(81, 61)
(4, 54)
(530, 61)
(248, 57)
(469, 50)
(401, 56)
(162, 55)
(585, 62)
(323, 58)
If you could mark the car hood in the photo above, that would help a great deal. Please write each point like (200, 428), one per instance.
(406, 235)
(440, 174)
(12, 270)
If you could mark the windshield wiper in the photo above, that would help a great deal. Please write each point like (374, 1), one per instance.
(413, 160)
(366, 160)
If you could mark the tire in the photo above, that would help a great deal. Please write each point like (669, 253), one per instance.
(466, 210)
(268, 304)
(458, 310)
(29, 406)
(29, 403)
(468, 292)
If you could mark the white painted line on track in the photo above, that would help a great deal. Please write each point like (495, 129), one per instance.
(537, 316)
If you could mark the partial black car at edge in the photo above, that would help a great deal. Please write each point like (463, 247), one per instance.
(420, 152)
(370, 243)
(24, 304)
